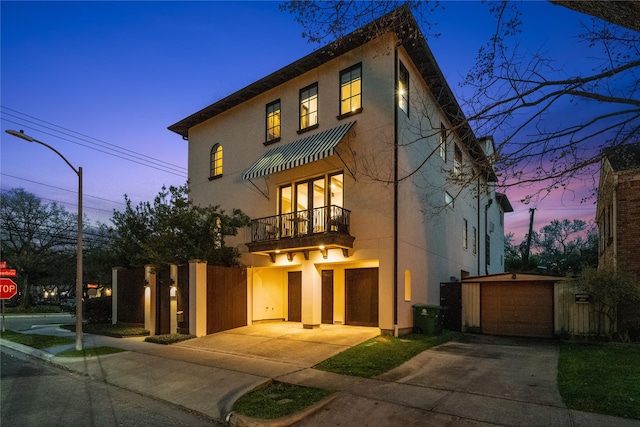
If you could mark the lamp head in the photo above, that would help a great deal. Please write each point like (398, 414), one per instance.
(20, 135)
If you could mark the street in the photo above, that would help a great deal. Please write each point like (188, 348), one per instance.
(34, 393)
(25, 322)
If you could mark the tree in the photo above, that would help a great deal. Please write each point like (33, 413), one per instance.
(562, 247)
(609, 288)
(516, 95)
(35, 237)
(172, 230)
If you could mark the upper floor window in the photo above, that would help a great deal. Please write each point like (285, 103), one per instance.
(457, 160)
(442, 148)
(448, 199)
(351, 89)
(465, 235)
(273, 121)
(216, 161)
(474, 240)
(309, 106)
(403, 89)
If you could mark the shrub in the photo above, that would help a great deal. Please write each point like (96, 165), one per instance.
(97, 310)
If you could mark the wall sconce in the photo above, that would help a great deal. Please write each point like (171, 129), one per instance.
(146, 283)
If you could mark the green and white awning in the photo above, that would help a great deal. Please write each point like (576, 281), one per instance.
(306, 150)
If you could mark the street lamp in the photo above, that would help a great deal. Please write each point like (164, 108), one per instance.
(79, 292)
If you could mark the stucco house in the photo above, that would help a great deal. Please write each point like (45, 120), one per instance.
(350, 163)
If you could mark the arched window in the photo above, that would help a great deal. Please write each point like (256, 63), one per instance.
(216, 161)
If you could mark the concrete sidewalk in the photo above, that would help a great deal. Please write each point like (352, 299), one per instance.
(208, 374)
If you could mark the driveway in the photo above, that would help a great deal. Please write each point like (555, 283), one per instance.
(517, 369)
(286, 342)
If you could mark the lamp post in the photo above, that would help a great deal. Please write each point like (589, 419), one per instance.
(79, 289)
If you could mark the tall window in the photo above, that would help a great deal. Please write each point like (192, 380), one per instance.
(403, 89)
(474, 241)
(309, 106)
(488, 249)
(216, 161)
(442, 148)
(273, 121)
(457, 160)
(465, 235)
(351, 89)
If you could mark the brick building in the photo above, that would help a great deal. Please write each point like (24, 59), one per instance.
(618, 214)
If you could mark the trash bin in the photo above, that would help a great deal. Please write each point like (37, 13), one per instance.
(427, 319)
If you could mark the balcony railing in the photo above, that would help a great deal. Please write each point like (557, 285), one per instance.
(327, 219)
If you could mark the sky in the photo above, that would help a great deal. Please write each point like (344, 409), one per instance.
(102, 81)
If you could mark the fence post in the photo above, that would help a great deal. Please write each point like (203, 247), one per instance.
(173, 300)
(114, 294)
(150, 295)
(198, 297)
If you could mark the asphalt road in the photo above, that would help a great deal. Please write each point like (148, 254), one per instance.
(34, 393)
(24, 322)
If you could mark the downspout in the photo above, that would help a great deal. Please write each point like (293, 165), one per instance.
(486, 233)
(395, 189)
(478, 229)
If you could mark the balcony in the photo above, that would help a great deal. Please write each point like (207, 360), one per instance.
(328, 226)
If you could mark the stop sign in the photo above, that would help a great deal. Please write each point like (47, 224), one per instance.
(8, 288)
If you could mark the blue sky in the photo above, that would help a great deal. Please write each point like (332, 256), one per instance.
(101, 81)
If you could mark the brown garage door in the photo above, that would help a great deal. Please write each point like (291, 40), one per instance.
(361, 288)
(519, 309)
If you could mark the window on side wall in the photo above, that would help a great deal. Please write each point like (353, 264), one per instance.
(351, 90)
(273, 122)
(215, 170)
(403, 89)
(448, 199)
(309, 106)
(465, 235)
(442, 148)
(457, 160)
(474, 240)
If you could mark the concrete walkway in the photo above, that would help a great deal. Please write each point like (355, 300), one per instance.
(480, 381)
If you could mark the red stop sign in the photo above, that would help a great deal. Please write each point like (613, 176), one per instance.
(8, 288)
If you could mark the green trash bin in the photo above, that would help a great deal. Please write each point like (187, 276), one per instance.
(427, 319)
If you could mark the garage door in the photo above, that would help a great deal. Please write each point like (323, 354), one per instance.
(361, 299)
(519, 309)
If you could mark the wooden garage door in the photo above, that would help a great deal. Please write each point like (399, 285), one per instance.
(519, 309)
(361, 288)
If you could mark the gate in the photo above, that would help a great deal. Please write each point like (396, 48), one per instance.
(131, 296)
(451, 301)
(226, 298)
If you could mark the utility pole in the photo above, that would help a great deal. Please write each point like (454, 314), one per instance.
(525, 256)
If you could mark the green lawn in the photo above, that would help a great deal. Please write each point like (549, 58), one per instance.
(602, 378)
(278, 400)
(381, 354)
(119, 330)
(36, 340)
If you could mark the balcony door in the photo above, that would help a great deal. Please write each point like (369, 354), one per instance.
(303, 206)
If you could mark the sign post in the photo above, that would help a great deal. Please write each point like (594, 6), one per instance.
(8, 289)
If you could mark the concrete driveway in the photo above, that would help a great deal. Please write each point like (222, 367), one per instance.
(510, 368)
(286, 342)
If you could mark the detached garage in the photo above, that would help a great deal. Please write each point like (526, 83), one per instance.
(509, 304)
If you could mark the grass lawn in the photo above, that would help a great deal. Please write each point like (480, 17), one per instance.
(36, 340)
(278, 400)
(381, 354)
(119, 330)
(602, 378)
(169, 338)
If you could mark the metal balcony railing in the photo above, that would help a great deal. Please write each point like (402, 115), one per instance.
(327, 219)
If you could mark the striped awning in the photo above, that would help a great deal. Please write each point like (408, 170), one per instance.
(297, 153)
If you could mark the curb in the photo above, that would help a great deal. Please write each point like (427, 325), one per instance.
(239, 420)
(40, 354)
